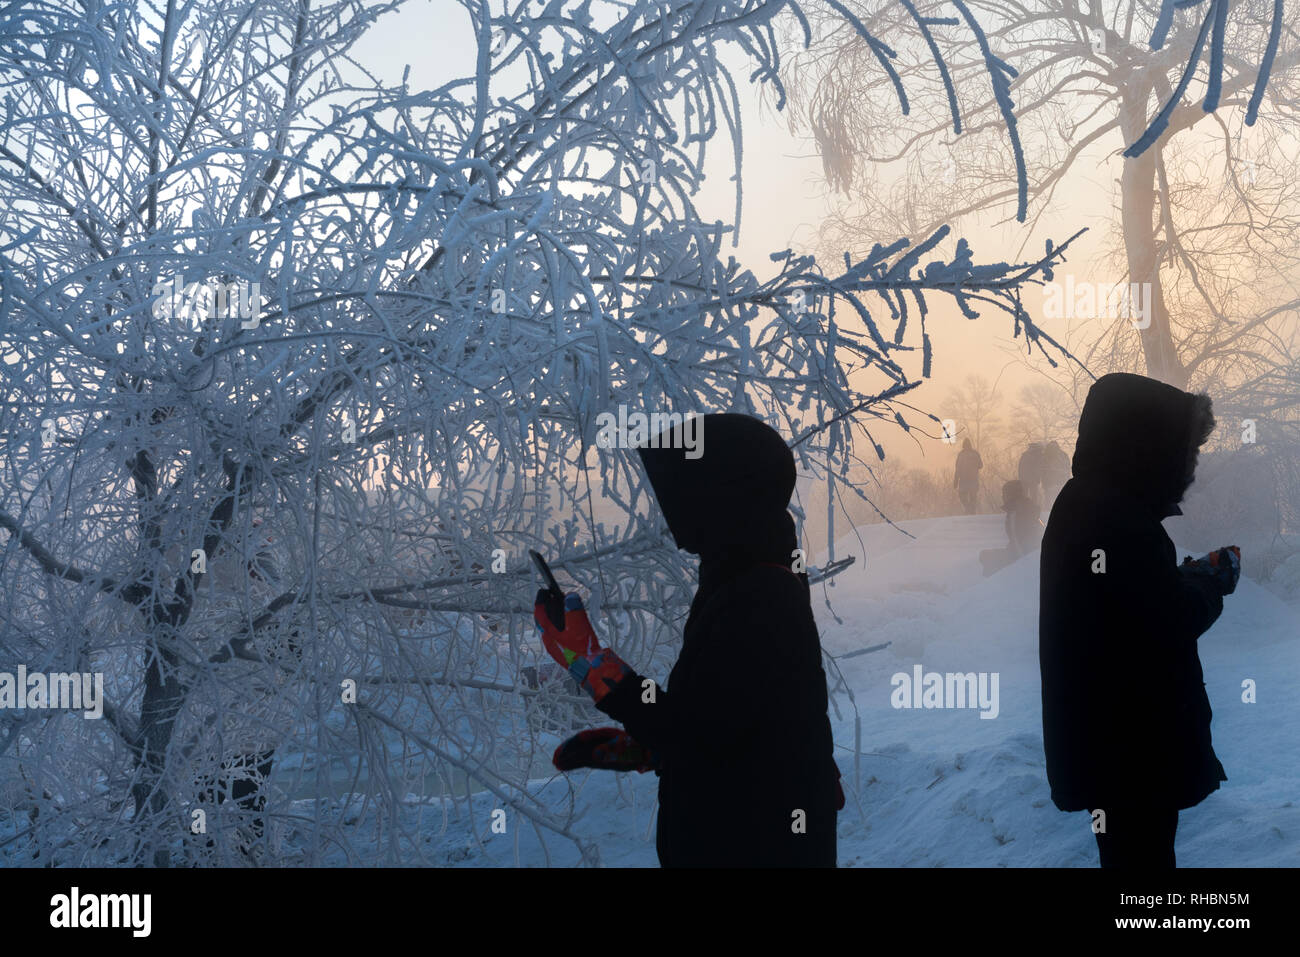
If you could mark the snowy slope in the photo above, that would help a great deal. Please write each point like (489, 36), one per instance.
(958, 790)
(945, 787)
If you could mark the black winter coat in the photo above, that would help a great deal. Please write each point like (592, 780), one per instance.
(747, 776)
(1126, 719)
(968, 468)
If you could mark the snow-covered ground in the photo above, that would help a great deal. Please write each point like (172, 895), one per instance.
(945, 788)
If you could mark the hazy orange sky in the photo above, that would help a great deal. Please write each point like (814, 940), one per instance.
(785, 200)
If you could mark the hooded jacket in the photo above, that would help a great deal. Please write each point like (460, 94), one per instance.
(746, 773)
(1126, 720)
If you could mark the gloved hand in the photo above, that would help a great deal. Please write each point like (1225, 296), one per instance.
(609, 749)
(574, 646)
(1222, 566)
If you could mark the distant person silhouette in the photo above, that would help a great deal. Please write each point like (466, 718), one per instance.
(1030, 471)
(966, 477)
(1126, 720)
(1022, 525)
(740, 737)
(1055, 472)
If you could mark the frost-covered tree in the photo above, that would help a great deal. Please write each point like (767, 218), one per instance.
(1191, 106)
(1196, 99)
(297, 365)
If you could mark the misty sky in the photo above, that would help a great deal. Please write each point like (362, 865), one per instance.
(786, 197)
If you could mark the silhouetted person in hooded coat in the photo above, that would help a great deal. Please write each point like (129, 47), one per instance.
(1029, 471)
(1126, 720)
(739, 737)
(1055, 471)
(966, 476)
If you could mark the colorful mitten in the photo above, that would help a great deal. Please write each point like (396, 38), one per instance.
(609, 749)
(598, 670)
(1223, 566)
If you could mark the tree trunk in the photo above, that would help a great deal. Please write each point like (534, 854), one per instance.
(1138, 212)
(164, 695)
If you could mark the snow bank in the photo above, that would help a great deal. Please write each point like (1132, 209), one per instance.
(944, 787)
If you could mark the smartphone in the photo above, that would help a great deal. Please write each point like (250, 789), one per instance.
(555, 595)
(545, 571)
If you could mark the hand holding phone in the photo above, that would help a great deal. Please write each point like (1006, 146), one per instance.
(569, 639)
(1223, 566)
(550, 597)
